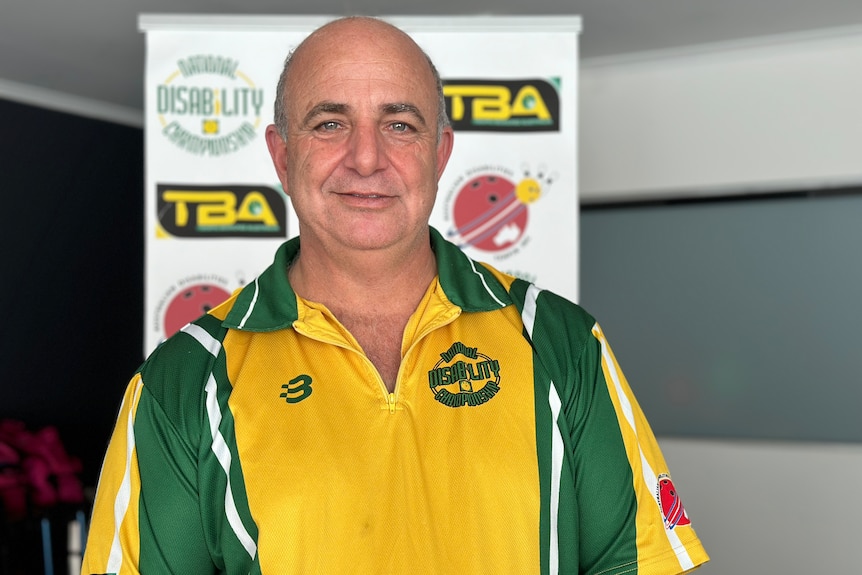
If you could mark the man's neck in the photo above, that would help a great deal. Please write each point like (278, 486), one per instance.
(364, 281)
(372, 294)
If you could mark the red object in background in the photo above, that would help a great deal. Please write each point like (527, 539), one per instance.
(191, 303)
(488, 214)
(13, 489)
(35, 470)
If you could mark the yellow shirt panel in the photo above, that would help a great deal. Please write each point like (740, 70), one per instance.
(340, 483)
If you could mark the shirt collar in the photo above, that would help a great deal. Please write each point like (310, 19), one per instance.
(269, 303)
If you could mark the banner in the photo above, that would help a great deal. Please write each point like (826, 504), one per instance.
(215, 211)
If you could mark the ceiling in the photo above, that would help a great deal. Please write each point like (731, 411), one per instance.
(94, 50)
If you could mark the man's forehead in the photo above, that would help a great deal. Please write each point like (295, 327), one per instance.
(358, 83)
(370, 91)
(360, 63)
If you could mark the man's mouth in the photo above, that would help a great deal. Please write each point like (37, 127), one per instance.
(365, 196)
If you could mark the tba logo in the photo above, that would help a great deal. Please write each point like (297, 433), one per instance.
(208, 106)
(530, 105)
(491, 212)
(220, 211)
(463, 376)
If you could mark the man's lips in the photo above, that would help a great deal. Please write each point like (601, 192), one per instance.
(364, 195)
(365, 199)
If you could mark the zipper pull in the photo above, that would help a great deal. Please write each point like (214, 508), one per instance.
(392, 403)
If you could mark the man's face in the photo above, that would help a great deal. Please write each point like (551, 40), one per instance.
(362, 158)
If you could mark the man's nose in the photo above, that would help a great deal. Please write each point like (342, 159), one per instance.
(367, 150)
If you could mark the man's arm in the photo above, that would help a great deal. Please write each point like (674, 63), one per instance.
(146, 517)
(632, 517)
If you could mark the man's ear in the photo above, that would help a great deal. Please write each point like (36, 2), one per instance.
(444, 149)
(278, 152)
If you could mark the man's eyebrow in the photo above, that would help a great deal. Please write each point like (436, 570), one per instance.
(401, 108)
(338, 108)
(325, 108)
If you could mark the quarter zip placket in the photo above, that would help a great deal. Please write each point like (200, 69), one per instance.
(441, 320)
(390, 398)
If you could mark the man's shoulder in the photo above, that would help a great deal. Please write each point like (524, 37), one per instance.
(178, 369)
(560, 330)
(547, 305)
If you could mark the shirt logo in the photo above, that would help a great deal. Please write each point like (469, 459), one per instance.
(463, 376)
(296, 389)
(671, 505)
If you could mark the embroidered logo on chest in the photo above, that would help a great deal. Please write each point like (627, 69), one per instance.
(463, 376)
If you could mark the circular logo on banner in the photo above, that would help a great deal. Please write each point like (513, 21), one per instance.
(208, 106)
(190, 303)
(490, 208)
(188, 299)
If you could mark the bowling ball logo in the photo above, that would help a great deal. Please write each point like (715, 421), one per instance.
(491, 212)
(670, 503)
(189, 303)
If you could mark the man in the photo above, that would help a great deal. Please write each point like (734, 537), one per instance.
(376, 402)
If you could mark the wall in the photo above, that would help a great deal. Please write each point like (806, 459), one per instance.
(737, 322)
(764, 508)
(774, 114)
(778, 113)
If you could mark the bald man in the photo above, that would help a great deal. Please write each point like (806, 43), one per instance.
(375, 401)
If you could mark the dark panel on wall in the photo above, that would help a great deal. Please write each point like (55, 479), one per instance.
(72, 268)
(737, 318)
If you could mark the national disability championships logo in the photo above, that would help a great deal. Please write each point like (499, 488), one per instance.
(208, 106)
(463, 376)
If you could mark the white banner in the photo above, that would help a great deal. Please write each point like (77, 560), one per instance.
(215, 211)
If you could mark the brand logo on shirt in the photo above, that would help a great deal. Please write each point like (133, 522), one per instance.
(463, 376)
(670, 503)
(296, 389)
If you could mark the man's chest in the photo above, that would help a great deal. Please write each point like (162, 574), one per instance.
(329, 455)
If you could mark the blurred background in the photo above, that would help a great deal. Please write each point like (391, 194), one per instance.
(720, 159)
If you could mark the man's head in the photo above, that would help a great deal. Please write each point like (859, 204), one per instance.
(280, 116)
(361, 136)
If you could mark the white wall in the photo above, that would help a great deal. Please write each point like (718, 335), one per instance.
(766, 508)
(775, 114)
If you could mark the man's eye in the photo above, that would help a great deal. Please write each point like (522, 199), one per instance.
(328, 126)
(400, 127)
